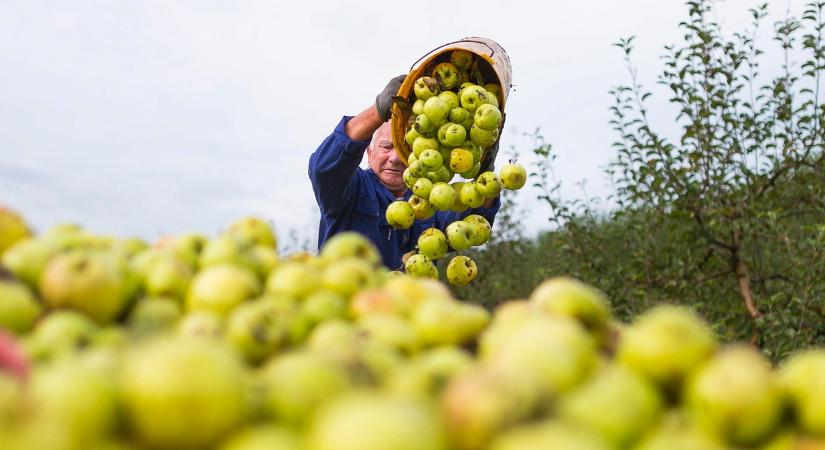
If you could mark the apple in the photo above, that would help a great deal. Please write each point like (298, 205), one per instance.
(227, 249)
(253, 229)
(436, 110)
(389, 330)
(400, 215)
(665, 344)
(803, 378)
(472, 97)
(87, 281)
(294, 279)
(439, 322)
(458, 206)
(451, 134)
(459, 115)
(12, 229)
(431, 158)
(422, 209)
(423, 125)
(372, 420)
(462, 59)
(450, 98)
(461, 160)
(513, 176)
(201, 324)
(569, 297)
(168, 277)
(411, 135)
(265, 260)
(187, 246)
(160, 381)
(60, 333)
(262, 437)
(493, 88)
(443, 174)
(256, 329)
(349, 276)
(461, 269)
(470, 196)
(423, 143)
(422, 187)
(735, 396)
(432, 243)
(349, 244)
(473, 172)
(324, 305)
(616, 404)
(483, 137)
(425, 87)
(487, 117)
(446, 74)
(492, 99)
(442, 196)
(409, 178)
(419, 265)
(27, 258)
(417, 169)
(154, 314)
(418, 107)
(18, 307)
(549, 434)
(488, 185)
(220, 288)
(483, 229)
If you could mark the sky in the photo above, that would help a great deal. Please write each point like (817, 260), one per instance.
(151, 117)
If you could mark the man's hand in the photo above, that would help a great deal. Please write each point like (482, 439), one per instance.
(383, 102)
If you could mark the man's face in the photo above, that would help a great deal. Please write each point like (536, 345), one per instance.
(384, 161)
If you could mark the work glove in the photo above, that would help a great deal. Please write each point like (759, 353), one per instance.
(384, 100)
(492, 151)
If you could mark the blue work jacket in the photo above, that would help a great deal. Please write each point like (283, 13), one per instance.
(351, 198)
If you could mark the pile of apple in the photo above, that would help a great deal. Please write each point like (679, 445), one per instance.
(198, 343)
(453, 121)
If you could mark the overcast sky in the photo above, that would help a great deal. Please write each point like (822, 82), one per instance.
(152, 117)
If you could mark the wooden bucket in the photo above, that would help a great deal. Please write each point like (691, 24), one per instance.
(494, 64)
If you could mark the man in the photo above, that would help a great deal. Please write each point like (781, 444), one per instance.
(351, 198)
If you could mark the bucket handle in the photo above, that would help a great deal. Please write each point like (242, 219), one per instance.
(492, 50)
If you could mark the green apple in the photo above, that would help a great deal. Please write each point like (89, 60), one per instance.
(487, 117)
(443, 174)
(431, 159)
(569, 297)
(168, 277)
(492, 99)
(460, 235)
(676, 434)
(348, 276)
(459, 115)
(187, 246)
(461, 160)
(265, 258)
(87, 281)
(12, 229)
(372, 420)
(513, 176)
(422, 209)
(390, 330)
(472, 97)
(425, 87)
(417, 169)
(450, 98)
(488, 185)
(201, 324)
(420, 266)
(418, 107)
(736, 396)
(439, 322)
(293, 279)
(154, 314)
(220, 288)
(423, 143)
(411, 135)
(458, 205)
(493, 88)
(324, 305)
(462, 59)
(548, 434)
(400, 215)
(423, 186)
(296, 384)
(803, 378)
(616, 404)
(256, 330)
(253, 229)
(436, 109)
(349, 244)
(60, 333)
(446, 74)
(483, 137)
(665, 344)
(473, 172)
(262, 437)
(161, 380)
(18, 306)
(461, 270)
(432, 243)
(451, 134)
(483, 229)
(227, 249)
(442, 196)
(27, 258)
(423, 125)
(409, 178)
(470, 196)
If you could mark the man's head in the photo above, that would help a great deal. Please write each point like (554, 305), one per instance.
(384, 161)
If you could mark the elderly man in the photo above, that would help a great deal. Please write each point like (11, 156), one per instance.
(351, 198)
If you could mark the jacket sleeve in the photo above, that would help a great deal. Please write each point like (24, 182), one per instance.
(444, 218)
(332, 168)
